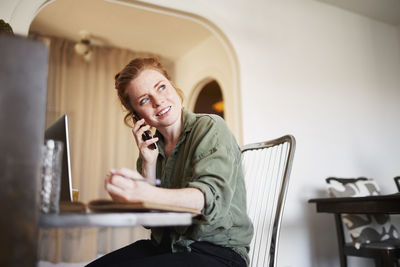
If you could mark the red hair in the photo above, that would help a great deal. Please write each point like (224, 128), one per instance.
(129, 73)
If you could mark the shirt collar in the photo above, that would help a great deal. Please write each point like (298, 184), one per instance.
(188, 120)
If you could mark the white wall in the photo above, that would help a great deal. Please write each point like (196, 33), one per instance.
(331, 78)
(207, 61)
(328, 76)
(20, 13)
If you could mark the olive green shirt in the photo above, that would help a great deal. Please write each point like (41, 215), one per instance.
(207, 157)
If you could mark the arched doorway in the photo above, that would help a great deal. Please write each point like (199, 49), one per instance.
(210, 99)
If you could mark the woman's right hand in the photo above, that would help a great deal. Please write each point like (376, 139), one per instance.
(149, 155)
(125, 185)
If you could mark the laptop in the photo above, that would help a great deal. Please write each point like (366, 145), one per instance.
(59, 131)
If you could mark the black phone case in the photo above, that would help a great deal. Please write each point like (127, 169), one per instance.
(147, 134)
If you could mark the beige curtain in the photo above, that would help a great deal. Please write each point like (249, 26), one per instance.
(99, 140)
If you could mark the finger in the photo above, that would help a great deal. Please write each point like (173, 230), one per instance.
(121, 182)
(135, 129)
(115, 190)
(127, 173)
(141, 131)
(149, 142)
(109, 177)
(138, 124)
(116, 193)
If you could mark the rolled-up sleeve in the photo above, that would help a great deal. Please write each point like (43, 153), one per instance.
(214, 172)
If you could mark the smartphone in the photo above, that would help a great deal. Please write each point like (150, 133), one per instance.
(147, 134)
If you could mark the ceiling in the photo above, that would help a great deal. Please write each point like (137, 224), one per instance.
(121, 24)
(115, 23)
(387, 11)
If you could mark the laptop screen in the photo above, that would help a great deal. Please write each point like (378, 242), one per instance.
(59, 131)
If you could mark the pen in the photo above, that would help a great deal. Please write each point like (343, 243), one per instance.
(155, 182)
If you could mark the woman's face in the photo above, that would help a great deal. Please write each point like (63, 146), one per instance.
(155, 99)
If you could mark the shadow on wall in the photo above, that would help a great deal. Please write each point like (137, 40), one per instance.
(321, 227)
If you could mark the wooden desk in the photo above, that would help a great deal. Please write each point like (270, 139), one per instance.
(389, 204)
(152, 219)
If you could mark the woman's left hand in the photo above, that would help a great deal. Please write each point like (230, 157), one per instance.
(122, 187)
(149, 155)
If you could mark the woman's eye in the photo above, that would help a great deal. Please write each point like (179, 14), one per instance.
(162, 87)
(143, 101)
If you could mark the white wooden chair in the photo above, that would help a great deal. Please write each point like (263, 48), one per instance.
(267, 166)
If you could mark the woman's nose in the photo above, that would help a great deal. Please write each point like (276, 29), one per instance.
(157, 101)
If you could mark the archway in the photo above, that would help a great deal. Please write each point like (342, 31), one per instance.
(210, 99)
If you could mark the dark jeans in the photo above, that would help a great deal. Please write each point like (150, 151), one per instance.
(145, 253)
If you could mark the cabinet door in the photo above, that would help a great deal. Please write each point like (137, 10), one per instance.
(23, 79)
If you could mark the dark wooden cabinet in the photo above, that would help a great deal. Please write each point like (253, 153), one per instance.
(23, 79)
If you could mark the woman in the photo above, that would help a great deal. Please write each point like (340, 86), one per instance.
(199, 163)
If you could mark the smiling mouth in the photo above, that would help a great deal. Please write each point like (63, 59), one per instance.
(163, 111)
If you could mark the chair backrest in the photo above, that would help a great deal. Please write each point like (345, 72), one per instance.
(266, 167)
(397, 182)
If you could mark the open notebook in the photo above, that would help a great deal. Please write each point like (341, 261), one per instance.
(104, 205)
